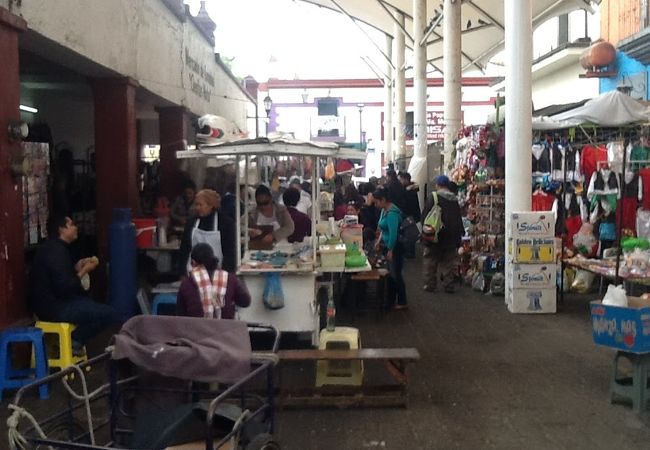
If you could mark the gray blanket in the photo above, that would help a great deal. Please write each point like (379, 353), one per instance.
(206, 350)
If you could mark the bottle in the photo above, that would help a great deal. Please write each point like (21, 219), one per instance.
(331, 315)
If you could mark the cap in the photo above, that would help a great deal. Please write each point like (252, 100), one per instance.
(442, 180)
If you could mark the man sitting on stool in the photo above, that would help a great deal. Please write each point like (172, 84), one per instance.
(55, 286)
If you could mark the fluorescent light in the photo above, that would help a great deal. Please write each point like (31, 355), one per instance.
(28, 109)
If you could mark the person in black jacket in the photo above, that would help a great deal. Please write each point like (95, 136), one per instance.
(211, 226)
(411, 207)
(444, 253)
(55, 287)
(395, 190)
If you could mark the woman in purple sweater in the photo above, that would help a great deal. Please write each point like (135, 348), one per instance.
(208, 291)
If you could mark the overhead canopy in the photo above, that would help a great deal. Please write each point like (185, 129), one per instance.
(611, 109)
(482, 23)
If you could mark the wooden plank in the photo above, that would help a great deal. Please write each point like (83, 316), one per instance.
(404, 354)
(344, 396)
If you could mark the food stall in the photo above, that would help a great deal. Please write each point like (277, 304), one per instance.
(296, 265)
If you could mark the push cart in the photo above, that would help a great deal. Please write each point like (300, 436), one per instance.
(179, 383)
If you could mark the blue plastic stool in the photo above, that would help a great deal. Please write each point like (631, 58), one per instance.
(162, 299)
(11, 378)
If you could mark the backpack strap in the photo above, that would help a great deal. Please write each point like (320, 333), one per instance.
(435, 198)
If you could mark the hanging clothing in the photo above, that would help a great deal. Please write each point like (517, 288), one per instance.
(644, 175)
(633, 186)
(639, 153)
(541, 159)
(566, 154)
(589, 159)
(605, 182)
(627, 209)
(615, 151)
(542, 201)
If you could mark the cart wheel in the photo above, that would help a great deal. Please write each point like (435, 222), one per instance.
(263, 441)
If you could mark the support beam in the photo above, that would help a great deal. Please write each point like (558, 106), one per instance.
(418, 164)
(388, 103)
(116, 152)
(452, 76)
(396, 20)
(12, 250)
(399, 118)
(173, 125)
(519, 53)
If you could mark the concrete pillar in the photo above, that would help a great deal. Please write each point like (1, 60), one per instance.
(116, 152)
(399, 113)
(452, 75)
(173, 124)
(388, 103)
(12, 250)
(519, 51)
(419, 159)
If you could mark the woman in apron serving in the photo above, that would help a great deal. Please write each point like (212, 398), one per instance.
(211, 227)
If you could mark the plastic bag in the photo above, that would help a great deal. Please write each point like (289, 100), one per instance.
(569, 276)
(330, 171)
(478, 282)
(643, 223)
(582, 282)
(615, 296)
(498, 284)
(273, 297)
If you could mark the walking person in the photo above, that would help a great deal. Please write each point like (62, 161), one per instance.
(390, 220)
(442, 255)
(411, 207)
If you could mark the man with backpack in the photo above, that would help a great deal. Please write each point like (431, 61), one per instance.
(442, 232)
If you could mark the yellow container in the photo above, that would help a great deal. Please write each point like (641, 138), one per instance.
(534, 251)
(349, 373)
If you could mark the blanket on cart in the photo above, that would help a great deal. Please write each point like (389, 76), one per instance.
(189, 348)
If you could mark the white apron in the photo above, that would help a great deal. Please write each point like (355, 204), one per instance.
(212, 238)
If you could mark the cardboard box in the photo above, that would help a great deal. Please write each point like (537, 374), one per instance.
(534, 276)
(532, 224)
(532, 301)
(534, 250)
(623, 328)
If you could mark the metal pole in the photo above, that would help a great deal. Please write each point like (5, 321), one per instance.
(237, 217)
(400, 88)
(452, 76)
(388, 104)
(420, 86)
(519, 50)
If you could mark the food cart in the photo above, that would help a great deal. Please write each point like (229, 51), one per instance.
(297, 264)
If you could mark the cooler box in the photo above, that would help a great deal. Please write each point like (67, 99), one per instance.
(332, 256)
(623, 328)
(532, 301)
(532, 224)
(534, 276)
(348, 373)
(534, 250)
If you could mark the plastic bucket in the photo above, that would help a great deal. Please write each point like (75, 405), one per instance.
(144, 231)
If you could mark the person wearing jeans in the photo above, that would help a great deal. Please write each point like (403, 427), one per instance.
(390, 219)
(55, 287)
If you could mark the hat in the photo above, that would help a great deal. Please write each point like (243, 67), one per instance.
(442, 180)
(294, 180)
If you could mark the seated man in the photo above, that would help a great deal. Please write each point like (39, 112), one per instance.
(301, 221)
(56, 293)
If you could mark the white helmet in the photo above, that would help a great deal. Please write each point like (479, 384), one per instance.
(216, 129)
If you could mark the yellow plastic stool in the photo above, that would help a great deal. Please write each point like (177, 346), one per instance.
(349, 373)
(63, 341)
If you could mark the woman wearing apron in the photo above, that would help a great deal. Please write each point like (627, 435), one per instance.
(267, 213)
(209, 226)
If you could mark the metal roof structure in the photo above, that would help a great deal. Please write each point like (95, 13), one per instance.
(483, 23)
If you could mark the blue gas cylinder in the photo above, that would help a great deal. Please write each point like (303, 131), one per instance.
(122, 268)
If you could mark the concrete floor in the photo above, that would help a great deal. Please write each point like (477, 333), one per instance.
(487, 380)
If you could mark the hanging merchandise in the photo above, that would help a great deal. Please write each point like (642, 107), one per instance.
(273, 296)
(643, 223)
(330, 171)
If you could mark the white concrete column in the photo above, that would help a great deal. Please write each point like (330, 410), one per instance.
(452, 75)
(388, 103)
(418, 164)
(519, 53)
(399, 118)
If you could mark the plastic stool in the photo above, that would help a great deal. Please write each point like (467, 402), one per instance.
(634, 389)
(162, 299)
(348, 373)
(61, 346)
(11, 378)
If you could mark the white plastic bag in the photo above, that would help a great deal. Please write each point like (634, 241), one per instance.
(615, 296)
(643, 223)
(582, 282)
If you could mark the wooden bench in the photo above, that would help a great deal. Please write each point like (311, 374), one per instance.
(395, 360)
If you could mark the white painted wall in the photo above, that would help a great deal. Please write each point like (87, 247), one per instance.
(563, 86)
(143, 40)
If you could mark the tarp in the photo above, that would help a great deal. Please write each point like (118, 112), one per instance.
(611, 109)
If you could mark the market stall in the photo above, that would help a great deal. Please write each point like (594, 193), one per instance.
(282, 278)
